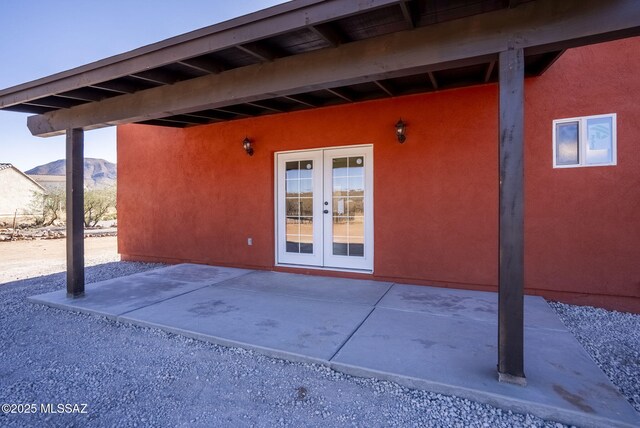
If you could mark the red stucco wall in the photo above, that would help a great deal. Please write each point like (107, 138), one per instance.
(194, 195)
(583, 224)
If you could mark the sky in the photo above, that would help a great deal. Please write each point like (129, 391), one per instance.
(42, 37)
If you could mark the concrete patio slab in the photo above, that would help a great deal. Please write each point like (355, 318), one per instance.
(477, 305)
(278, 325)
(188, 272)
(121, 295)
(457, 356)
(312, 287)
(438, 339)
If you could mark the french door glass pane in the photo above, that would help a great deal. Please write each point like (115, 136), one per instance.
(348, 206)
(299, 206)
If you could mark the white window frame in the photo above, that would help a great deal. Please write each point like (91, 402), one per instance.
(582, 140)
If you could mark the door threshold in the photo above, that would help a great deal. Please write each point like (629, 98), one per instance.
(325, 268)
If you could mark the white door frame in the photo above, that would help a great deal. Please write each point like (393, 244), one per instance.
(348, 262)
(315, 258)
(322, 257)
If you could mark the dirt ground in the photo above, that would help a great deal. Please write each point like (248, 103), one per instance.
(28, 259)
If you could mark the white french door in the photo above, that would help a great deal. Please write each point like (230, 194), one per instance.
(325, 208)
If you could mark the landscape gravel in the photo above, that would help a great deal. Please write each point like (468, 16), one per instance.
(137, 377)
(612, 339)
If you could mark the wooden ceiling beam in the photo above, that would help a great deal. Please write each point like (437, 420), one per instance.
(289, 16)
(259, 51)
(84, 94)
(542, 24)
(54, 102)
(203, 65)
(385, 88)
(339, 94)
(432, 79)
(158, 76)
(117, 86)
(489, 72)
(407, 7)
(165, 122)
(298, 100)
(328, 33)
(232, 112)
(549, 63)
(205, 115)
(264, 107)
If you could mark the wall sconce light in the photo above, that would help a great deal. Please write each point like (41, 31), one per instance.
(246, 145)
(400, 128)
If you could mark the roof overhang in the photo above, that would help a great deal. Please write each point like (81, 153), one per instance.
(313, 53)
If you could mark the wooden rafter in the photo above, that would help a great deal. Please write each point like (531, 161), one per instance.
(544, 25)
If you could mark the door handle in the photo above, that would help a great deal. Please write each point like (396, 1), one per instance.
(326, 211)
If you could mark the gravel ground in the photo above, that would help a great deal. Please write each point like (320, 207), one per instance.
(131, 376)
(612, 339)
(28, 259)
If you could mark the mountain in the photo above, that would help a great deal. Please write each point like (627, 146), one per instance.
(97, 172)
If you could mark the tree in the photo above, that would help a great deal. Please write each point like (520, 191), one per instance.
(45, 208)
(97, 204)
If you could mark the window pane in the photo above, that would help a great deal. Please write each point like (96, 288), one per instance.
(307, 247)
(356, 166)
(340, 249)
(306, 229)
(339, 206)
(292, 245)
(356, 230)
(306, 207)
(356, 250)
(567, 143)
(292, 187)
(299, 235)
(293, 207)
(306, 186)
(356, 184)
(306, 168)
(293, 227)
(292, 170)
(599, 148)
(340, 167)
(299, 206)
(306, 241)
(348, 206)
(340, 185)
(356, 206)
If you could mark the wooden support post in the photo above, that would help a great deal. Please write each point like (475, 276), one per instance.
(511, 219)
(75, 212)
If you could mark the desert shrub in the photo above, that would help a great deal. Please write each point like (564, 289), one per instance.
(46, 208)
(98, 205)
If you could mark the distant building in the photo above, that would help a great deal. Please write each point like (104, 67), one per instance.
(16, 191)
(49, 182)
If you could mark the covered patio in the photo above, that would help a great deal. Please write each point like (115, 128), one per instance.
(308, 54)
(401, 333)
